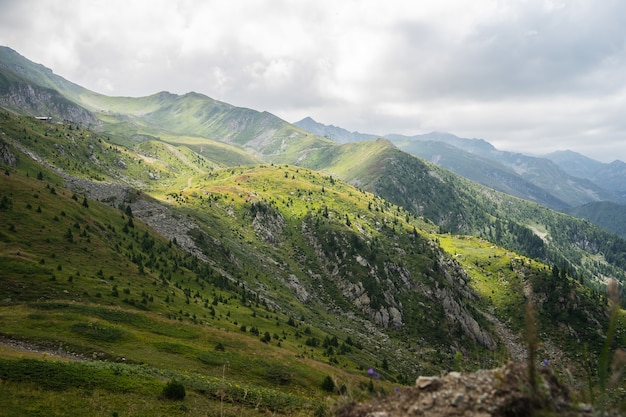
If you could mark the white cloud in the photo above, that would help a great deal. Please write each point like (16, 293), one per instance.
(523, 74)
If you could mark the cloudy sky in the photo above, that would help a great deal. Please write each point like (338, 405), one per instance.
(526, 75)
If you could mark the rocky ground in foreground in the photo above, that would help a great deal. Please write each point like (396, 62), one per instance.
(498, 392)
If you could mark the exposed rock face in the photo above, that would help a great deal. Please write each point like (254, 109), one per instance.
(111, 193)
(40, 101)
(395, 279)
(7, 157)
(456, 312)
(499, 392)
(298, 289)
(169, 225)
(268, 224)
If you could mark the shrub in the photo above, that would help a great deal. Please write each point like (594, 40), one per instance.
(328, 384)
(174, 390)
(279, 374)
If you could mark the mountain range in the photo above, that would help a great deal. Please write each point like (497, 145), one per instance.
(561, 180)
(178, 238)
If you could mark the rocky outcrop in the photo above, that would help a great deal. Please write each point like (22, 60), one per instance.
(298, 289)
(40, 101)
(455, 297)
(456, 312)
(498, 392)
(107, 192)
(169, 225)
(268, 224)
(7, 157)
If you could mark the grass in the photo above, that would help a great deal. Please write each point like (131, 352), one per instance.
(78, 276)
(131, 389)
(249, 378)
(494, 274)
(88, 305)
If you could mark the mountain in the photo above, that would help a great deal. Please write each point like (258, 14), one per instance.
(610, 216)
(335, 133)
(575, 164)
(379, 167)
(170, 117)
(20, 95)
(255, 284)
(474, 146)
(531, 178)
(482, 170)
(196, 115)
(39, 74)
(537, 173)
(612, 176)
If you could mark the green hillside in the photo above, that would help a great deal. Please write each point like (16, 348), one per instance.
(323, 278)
(192, 114)
(268, 270)
(131, 311)
(607, 215)
(222, 134)
(458, 205)
(481, 170)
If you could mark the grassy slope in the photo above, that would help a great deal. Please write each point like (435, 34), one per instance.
(462, 206)
(87, 294)
(563, 309)
(180, 177)
(170, 317)
(306, 201)
(115, 291)
(450, 202)
(607, 215)
(193, 115)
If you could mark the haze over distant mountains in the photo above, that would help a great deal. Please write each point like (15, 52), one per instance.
(560, 180)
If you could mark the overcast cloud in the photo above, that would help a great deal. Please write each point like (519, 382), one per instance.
(526, 75)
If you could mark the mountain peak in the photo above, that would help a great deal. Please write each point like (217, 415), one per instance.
(335, 133)
(307, 119)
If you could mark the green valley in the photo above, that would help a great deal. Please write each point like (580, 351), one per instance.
(180, 243)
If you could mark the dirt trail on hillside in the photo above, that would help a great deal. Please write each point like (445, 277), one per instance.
(51, 351)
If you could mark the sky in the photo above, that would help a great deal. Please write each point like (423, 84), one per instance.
(531, 76)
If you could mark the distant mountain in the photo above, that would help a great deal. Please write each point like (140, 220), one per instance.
(198, 115)
(531, 178)
(611, 176)
(575, 164)
(335, 133)
(482, 170)
(475, 146)
(609, 216)
(558, 186)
